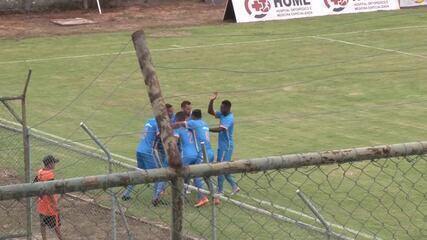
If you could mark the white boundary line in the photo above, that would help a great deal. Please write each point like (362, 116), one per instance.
(65, 141)
(301, 214)
(371, 47)
(210, 45)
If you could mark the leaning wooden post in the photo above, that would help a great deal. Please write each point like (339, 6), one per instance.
(166, 131)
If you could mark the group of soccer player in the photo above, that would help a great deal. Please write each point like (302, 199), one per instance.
(193, 134)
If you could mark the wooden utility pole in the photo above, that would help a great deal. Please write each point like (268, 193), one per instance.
(166, 132)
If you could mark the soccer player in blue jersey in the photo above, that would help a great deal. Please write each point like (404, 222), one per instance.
(190, 155)
(200, 131)
(225, 140)
(145, 157)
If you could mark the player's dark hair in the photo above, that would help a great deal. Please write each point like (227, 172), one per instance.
(197, 113)
(180, 116)
(168, 105)
(227, 103)
(185, 103)
(49, 159)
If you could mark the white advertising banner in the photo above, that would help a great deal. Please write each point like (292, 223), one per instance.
(413, 3)
(264, 10)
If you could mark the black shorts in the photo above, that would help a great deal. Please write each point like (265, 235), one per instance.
(50, 221)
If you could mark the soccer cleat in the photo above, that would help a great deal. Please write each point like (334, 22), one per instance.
(202, 202)
(217, 201)
(126, 198)
(235, 191)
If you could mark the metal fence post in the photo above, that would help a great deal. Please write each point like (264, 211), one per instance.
(27, 160)
(26, 145)
(208, 181)
(110, 170)
(166, 132)
(28, 177)
(114, 201)
(315, 212)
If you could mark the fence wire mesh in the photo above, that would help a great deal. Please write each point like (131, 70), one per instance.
(85, 215)
(379, 199)
(13, 214)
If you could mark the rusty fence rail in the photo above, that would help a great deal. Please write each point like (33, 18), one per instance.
(82, 184)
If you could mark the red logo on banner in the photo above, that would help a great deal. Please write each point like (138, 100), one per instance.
(336, 5)
(259, 8)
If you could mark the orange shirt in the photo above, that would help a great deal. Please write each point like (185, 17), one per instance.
(47, 204)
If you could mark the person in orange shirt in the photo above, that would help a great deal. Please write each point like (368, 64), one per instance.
(47, 205)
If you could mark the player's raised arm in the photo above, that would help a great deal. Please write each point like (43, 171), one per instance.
(211, 109)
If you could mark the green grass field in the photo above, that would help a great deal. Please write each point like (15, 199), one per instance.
(296, 86)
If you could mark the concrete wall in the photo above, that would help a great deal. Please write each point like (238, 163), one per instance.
(41, 5)
(37, 5)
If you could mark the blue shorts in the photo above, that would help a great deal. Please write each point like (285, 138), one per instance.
(186, 161)
(224, 155)
(146, 161)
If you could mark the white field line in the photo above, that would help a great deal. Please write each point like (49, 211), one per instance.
(371, 47)
(262, 202)
(301, 214)
(210, 45)
(375, 30)
(68, 141)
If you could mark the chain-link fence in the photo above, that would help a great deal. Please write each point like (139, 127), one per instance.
(364, 193)
(12, 171)
(85, 215)
(378, 199)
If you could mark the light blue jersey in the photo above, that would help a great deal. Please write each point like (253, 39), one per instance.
(225, 138)
(201, 132)
(187, 143)
(148, 137)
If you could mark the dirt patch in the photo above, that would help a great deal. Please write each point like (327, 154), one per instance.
(8, 176)
(165, 15)
(81, 218)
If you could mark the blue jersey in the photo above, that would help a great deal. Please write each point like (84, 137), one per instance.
(201, 132)
(187, 143)
(148, 137)
(225, 138)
